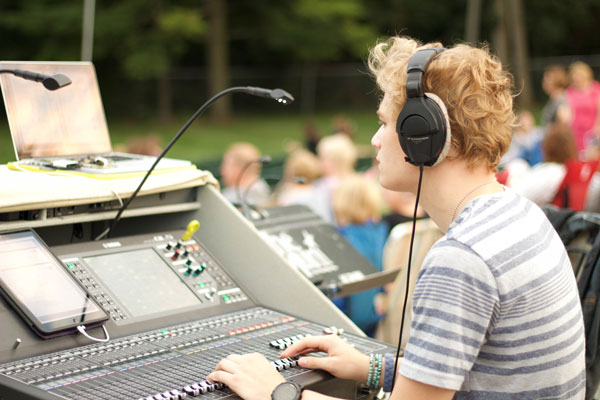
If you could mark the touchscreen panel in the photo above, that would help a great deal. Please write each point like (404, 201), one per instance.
(38, 285)
(143, 282)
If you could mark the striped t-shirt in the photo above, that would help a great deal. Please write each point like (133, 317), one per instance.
(496, 312)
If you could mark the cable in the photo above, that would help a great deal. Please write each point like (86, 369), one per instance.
(412, 239)
(280, 95)
(81, 329)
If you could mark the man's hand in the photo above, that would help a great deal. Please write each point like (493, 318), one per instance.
(343, 360)
(250, 376)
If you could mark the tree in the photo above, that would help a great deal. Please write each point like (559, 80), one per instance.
(35, 30)
(510, 44)
(473, 21)
(304, 32)
(147, 38)
(218, 57)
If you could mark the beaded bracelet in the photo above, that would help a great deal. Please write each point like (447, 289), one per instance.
(375, 365)
(370, 376)
(377, 373)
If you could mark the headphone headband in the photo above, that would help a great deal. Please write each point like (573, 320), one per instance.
(417, 65)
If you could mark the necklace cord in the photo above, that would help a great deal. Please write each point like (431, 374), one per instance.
(467, 195)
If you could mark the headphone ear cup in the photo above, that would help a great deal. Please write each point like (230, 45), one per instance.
(445, 137)
(423, 130)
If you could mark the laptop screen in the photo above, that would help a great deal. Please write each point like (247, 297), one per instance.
(65, 122)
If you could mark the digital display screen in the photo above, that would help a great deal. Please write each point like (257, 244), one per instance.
(142, 282)
(39, 285)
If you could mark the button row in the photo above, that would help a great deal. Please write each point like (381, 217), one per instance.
(168, 395)
(284, 363)
(286, 342)
(332, 330)
(250, 328)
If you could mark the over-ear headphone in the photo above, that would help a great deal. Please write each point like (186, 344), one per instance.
(423, 127)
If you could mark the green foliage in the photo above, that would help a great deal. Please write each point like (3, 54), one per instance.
(558, 27)
(147, 37)
(426, 20)
(183, 23)
(35, 30)
(302, 30)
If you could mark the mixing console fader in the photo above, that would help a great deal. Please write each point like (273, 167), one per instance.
(172, 362)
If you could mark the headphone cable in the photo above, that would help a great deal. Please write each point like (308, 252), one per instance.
(412, 239)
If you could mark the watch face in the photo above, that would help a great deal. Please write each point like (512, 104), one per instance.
(286, 391)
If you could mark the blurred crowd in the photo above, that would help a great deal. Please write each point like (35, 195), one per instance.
(322, 175)
(553, 161)
(556, 161)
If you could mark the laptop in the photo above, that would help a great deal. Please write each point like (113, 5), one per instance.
(66, 129)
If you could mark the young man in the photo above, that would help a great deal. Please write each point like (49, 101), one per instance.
(496, 313)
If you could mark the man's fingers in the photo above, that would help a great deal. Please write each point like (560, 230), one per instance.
(228, 365)
(220, 376)
(314, 343)
(235, 357)
(315, 362)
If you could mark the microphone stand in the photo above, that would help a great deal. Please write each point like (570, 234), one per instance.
(242, 199)
(277, 94)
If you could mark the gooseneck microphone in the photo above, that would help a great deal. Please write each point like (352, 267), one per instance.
(280, 95)
(262, 161)
(50, 82)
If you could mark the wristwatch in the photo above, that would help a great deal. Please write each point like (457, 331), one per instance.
(287, 391)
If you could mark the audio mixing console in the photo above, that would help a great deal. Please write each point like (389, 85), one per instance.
(145, 283)
(171, 362)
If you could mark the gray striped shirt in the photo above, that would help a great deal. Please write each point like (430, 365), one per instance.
(496, 312)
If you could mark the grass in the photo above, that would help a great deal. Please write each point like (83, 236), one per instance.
(205, 141)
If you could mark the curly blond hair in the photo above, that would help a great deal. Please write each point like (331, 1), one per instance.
(357, 200)
(471, 83)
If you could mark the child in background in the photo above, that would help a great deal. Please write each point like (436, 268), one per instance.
(337, 155)
(357, 206)
(301, 169)
(526, 140)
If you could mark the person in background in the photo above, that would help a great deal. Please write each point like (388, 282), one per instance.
(301, 169)
(526, 140)
(311, 136)
(562, 178)
(149, 145)
(540, 183)
(342, 124)
(337, 155)
(592, 201)
(555, 82)
(357, 206)
(240, 175)
(584, 99)
(399, 207)
(496, 311)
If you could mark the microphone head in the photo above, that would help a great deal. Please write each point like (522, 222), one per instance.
(282, 96)
(264, 160)
(55, 81)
